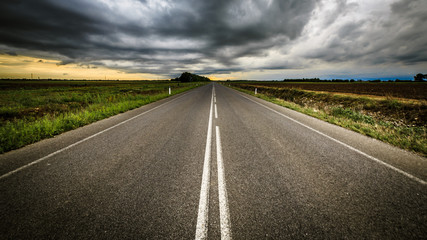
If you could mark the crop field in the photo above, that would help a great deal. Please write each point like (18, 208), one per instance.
(34, 110)
(392, 112)
(386, 89)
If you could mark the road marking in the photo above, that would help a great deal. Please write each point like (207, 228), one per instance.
(224, 213)
(85, 139)
(344, 144)
(202, 216)
(215, 99)
(216, 112)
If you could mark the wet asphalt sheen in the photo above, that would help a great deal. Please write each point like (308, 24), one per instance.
(138, 175)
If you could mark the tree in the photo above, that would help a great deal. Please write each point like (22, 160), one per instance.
(189, 77)
(420, 77)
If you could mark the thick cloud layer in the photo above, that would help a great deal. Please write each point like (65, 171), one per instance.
(395, 34)
(214, 36)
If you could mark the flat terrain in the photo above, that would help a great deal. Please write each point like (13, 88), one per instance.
(387, 89)
(32, 110)
(381, 114)
(212, 161)
(32, 99)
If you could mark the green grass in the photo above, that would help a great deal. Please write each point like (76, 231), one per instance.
(34, 110)
(393, 126)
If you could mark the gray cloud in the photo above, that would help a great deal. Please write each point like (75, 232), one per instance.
(213, 36)
(167, 34)
(12, 53)
(397, 38)
(411, 41)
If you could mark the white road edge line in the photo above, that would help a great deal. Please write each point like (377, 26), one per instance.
(83, 140)
(344, 144)
(224, 213)
(202, 216)
(216, 112)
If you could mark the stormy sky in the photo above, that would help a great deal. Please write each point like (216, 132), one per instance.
(248, 39)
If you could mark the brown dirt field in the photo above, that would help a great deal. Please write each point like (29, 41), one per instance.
(386, 89)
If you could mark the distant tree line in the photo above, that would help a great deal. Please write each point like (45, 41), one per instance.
(420, 77)
(417, 78)
(320, 80)
(189, 77)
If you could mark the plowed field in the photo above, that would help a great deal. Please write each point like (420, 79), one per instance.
(398, 90)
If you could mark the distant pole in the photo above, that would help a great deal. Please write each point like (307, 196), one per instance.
(169, 90)
(256, 91)
(31, 76)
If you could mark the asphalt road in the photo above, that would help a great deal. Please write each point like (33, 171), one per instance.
(212, 163)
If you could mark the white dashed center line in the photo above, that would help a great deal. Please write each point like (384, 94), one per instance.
(224, 213)
(202, 216)
(203, 213)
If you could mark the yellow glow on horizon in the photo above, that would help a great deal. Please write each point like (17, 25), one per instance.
(17, 67)
(228, 76)
(25, 67)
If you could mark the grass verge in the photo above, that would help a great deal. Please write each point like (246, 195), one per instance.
(354, 113)
(39, 112)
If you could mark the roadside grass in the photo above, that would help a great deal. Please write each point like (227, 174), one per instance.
(39, 110)
(401, 124)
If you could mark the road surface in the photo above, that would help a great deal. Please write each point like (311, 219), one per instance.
(212, 163)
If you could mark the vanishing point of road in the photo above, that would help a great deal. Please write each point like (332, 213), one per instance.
(212, 163)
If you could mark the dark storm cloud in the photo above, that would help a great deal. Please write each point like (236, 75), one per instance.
(411, 43)
(397, 38)
(229, 23)
(156, 36)
(12, 53)
(41, 25)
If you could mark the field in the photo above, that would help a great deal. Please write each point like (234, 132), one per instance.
(392, 112)
(34, 110)
(386, 89)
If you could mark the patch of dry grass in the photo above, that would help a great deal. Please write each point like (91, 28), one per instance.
(34, 110)
(400, 123)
